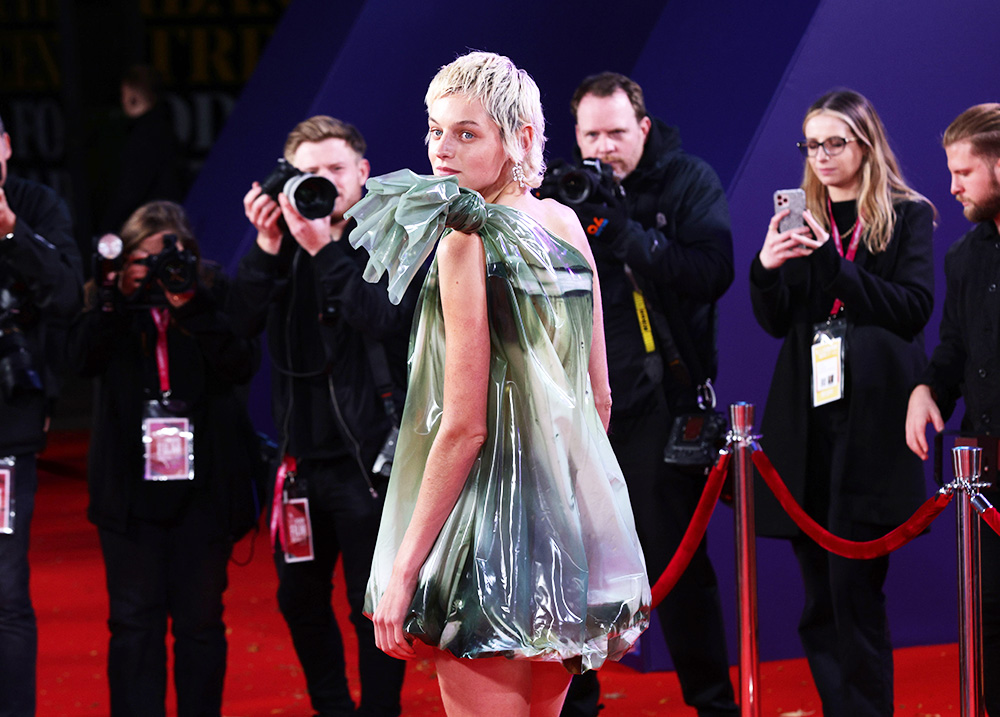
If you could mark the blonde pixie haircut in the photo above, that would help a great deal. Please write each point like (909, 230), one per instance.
(509, 96)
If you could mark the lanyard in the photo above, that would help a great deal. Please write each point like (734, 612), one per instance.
(287, 469)
(852, 248)
(161, 317)
(641, 313)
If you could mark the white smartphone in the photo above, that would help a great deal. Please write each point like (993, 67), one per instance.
(795, 201)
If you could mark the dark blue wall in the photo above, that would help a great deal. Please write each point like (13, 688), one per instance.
(735, 77)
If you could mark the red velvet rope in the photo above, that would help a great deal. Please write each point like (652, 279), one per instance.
(992, 519)
(695, 530)
(865, 550)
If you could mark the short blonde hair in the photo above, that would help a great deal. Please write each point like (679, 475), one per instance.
(509, 96)
(323, 127)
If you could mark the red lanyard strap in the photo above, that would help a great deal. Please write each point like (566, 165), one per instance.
(161, 317)
(279, 531)
(852, 248)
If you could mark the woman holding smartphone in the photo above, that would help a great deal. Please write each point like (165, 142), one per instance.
(507, 541)
(849, 293)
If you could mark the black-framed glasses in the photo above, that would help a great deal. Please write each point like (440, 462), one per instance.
(832, 146)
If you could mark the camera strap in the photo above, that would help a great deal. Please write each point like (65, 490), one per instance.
(656, 319)
(383, 380)
(161, 317)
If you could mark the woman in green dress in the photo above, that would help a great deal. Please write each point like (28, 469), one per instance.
(507, 541)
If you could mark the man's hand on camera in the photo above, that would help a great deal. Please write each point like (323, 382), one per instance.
(601, 222)
(264, 213)
(311, 234)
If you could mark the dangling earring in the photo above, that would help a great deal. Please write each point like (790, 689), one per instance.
(519, 177)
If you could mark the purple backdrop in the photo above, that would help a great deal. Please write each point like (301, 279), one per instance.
(735, 77)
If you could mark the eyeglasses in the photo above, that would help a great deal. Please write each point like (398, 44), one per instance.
(832, 146)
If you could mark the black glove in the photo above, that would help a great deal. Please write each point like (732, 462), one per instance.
(601, 222)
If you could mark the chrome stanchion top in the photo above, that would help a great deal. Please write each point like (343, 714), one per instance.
(967, 462)
(741, 417)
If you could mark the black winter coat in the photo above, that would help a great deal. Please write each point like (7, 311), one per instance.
(41, 267)
(679, 246)
(887, 299)
(208, 366)
(319, 311)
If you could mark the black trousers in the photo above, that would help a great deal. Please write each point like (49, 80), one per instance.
(844, 628)
(663, 501)
(345, 520)
(156, 570)
(18, 629)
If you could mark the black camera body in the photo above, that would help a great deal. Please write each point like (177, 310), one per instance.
(312, 196)
(19, 375)
(175, 269)
(591, 181)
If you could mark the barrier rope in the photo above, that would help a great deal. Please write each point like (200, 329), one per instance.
(864, 550)
(695, 531)
(992, 518)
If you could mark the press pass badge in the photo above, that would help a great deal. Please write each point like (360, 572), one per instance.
(298, 542)
(169, 449)
(828, 362)
(7, 495)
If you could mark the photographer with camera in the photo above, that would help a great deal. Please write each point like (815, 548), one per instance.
(658, 223)
(40, 279)
(338, 354)
(171, 454)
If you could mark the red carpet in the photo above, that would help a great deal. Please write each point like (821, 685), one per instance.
(264, 677)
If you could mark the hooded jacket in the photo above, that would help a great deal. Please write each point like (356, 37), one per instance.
(678, 245)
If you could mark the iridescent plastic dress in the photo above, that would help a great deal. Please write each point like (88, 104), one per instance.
(539, 558)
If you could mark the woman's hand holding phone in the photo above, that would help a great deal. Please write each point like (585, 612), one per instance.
(780, 246)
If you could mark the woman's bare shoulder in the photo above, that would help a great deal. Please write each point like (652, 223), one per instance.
(562, 221)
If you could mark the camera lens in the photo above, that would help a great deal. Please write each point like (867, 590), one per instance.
(576, 186)
(312, 196)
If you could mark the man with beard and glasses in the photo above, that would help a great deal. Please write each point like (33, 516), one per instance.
(966, 364)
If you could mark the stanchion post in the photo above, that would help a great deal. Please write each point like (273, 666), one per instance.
(741, 417)
(967, 463)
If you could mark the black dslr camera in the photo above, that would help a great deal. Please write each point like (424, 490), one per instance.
(591, 181)
(18, 374)
(175, 269)
(311, 195)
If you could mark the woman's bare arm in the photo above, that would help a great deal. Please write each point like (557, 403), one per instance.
(461, 272)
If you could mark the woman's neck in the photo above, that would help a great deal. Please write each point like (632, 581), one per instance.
(844, 194)
(507, 194)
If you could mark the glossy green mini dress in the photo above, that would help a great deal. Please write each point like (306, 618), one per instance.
(539, 558)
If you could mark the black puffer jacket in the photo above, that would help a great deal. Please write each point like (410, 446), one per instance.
(318, 311)
(679, 247)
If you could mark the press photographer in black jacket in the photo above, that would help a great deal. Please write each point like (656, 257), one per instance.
(326, 326)
(665, 237)
(172, 451)
(40, 289)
